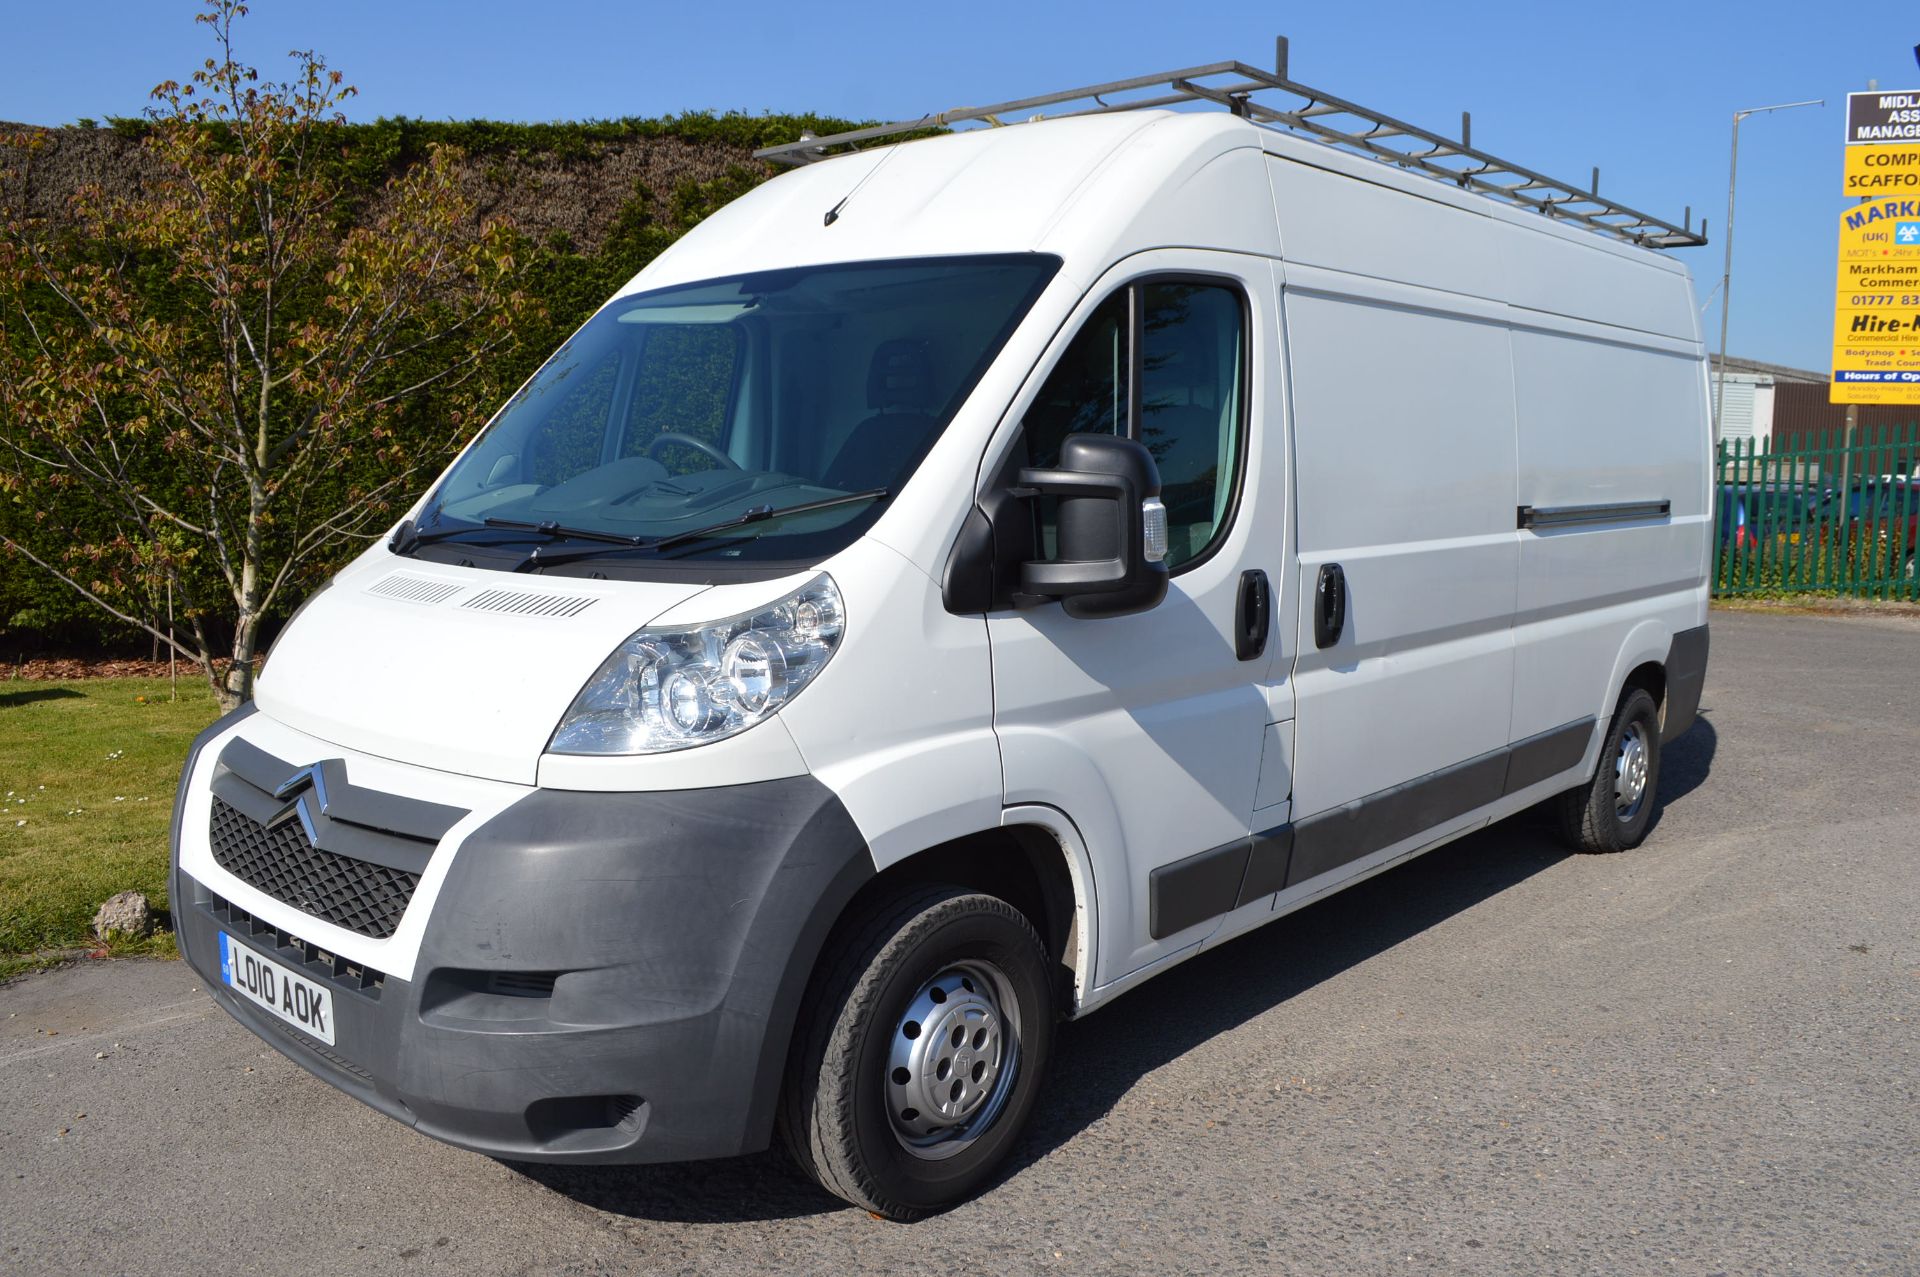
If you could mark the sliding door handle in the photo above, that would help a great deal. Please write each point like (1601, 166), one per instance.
(1329, 605)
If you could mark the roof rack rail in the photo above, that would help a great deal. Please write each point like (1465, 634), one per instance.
(1316, 114)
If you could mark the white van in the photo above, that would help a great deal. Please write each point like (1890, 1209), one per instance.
(955, 583)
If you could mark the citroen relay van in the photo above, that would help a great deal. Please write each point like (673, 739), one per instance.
(955, 583)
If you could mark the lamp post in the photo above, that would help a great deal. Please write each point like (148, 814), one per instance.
(1726, 273)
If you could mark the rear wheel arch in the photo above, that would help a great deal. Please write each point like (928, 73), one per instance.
(1641, 662)
(1651, 676)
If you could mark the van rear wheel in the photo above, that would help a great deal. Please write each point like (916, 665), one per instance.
(921, 1049)
(1611, 812)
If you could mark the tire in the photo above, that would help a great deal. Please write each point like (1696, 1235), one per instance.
(1611, 812)
(864, 1061)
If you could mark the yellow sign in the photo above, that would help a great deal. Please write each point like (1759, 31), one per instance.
(1891, 168)
(1876, 308)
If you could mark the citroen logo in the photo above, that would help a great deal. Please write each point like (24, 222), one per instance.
(309, 783)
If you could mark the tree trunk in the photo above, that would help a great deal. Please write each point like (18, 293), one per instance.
(203, 649)
(238, 684)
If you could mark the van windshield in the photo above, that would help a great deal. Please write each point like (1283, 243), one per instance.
(730, 402)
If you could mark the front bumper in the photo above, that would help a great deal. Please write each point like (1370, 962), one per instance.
(602, 977)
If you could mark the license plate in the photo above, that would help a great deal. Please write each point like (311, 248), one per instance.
(301, 1002)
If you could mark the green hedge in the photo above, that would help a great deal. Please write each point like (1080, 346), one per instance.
(41, 616)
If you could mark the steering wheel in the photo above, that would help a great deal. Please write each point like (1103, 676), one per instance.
(718, 457)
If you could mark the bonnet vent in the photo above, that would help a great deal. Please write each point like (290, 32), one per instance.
(522, 603)
(414, 589)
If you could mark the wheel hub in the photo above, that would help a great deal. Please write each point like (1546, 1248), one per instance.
(954, 1055)
(1630, 773)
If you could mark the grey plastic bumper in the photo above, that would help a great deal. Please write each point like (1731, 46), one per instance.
(604, 977)
(1686, 678)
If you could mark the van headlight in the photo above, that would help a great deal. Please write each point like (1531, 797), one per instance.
(666, 689)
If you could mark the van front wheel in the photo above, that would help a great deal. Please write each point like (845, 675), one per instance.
(921, 1048)
(1611, 812)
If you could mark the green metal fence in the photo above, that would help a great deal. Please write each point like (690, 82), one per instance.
(1841, 517)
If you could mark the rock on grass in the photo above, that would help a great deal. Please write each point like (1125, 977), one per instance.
(127, 914)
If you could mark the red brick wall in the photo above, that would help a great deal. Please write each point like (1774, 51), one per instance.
(1802, 417)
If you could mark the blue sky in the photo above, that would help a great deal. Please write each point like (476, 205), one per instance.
(1645, 93)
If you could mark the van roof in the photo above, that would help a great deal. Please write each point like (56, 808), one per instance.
(1089, 189)
(986, 191)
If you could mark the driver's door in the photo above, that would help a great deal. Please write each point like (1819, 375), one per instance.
(1146, 730)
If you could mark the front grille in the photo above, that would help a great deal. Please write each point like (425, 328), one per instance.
(521, 984)
(360, 896)
(345, 975)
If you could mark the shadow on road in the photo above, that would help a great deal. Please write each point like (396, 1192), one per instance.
(764, 1186)
(1101, 1058)
(1685, 763)
(1098, 1060)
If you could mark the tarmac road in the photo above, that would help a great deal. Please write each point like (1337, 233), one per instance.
(1699, 1057)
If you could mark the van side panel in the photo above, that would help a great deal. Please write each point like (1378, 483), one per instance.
(1604, 419)
(1594, 280)
(1425, 335)
(1404, 456)
(1337, 222)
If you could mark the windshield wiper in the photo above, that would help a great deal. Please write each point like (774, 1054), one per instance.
(406, 539)
(409, 537)
(553, 529)
(760, 514)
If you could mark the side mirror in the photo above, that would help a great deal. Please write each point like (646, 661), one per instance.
(1112, 542)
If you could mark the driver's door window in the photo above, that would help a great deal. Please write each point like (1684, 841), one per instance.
(1161, 361)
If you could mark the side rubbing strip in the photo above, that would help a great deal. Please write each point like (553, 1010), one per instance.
(1532, 760)
(1267, 867)
(1365, 825)
(1195, 889)
(1228, 877)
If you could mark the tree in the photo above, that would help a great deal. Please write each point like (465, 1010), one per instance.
(201, 382)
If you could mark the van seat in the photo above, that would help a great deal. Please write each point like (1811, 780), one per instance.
(900, 386)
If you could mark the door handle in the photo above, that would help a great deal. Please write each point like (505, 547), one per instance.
(1329, 605)
(1253, 618)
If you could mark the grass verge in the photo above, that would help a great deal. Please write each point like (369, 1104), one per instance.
(87, 775)
(1818, 605)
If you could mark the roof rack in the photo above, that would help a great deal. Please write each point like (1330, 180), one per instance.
(1300, 109)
